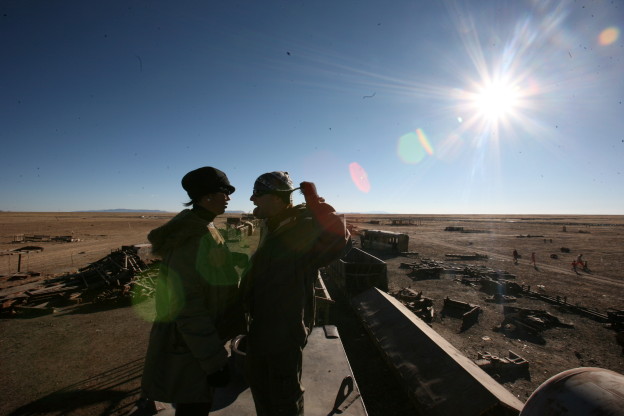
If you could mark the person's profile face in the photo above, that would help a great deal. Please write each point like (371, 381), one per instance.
(215, 202)
(267, 205)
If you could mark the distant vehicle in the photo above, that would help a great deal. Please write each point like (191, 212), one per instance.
(384, 240)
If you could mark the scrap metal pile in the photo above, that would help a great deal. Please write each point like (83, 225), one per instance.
(426, 269)
(22, 238)
(474, 256)
(121, 274)
(433, 269)
(516, 322)
(463, 230)
(503, 368)
(468, 313)
(420, 305)
(502, 288)
(529, 320)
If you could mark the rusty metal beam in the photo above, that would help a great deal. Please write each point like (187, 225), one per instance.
(439, 379)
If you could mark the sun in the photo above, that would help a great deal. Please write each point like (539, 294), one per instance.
(493, 106)
(496, 100)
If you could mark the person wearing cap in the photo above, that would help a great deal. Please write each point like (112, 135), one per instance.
(278, 288)
(197, 301)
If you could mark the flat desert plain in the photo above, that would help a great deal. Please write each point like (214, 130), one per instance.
(87, 360)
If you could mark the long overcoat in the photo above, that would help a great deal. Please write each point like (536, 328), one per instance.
(196, 310)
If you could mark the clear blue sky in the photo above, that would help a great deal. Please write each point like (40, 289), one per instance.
(423, 107)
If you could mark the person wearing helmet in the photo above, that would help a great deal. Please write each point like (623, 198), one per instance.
(278, 287)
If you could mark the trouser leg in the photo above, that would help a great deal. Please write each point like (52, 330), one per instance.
(192, 409)
(275, 382)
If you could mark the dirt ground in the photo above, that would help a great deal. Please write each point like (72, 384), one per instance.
(588, 344)
(87, 359)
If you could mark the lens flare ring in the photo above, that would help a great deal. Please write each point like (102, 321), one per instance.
(413, 147)
(359, 177)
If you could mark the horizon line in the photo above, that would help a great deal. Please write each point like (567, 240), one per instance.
(123, 210)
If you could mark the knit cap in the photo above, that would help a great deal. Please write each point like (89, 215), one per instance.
(274, 182)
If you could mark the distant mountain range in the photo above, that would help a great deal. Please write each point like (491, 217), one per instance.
(145, 210)
(227, 212)
(369, 213)
(122, 210)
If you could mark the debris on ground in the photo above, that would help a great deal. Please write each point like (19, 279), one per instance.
(420, 305)
(426, 269)
(531, 321)
(503, 368)
(474, 256)
(468, 313)
(21, 238)
(616, 319)
(562, 301)
(119, 275)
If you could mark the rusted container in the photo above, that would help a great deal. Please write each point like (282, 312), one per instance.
(358, 271)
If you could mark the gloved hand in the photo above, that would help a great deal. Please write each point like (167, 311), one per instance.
(316, 204)
(308, 189)
(219, 378)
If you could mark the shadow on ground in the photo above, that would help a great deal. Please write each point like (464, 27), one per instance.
(104, 394)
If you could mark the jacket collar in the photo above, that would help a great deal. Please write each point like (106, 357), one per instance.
(203, 213)
(287, 216)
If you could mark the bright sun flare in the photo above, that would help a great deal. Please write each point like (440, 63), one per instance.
(496, 100)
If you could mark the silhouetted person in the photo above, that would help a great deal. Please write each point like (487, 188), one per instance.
(279, 288)
(196, 300)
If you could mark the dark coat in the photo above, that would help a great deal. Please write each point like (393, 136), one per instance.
(196, 291)
(278, 287)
